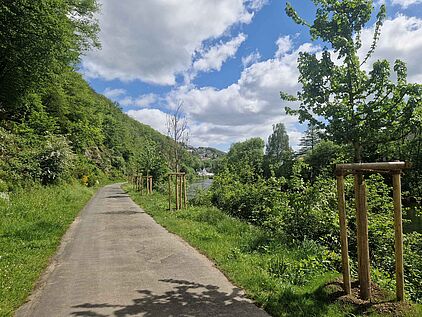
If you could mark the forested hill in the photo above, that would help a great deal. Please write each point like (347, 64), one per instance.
(71, 131)
(53, 126)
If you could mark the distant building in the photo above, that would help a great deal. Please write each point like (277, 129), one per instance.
(205, 173)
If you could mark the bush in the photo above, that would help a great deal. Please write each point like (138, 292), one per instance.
(202, 197)
(55, 159)
(257, 202)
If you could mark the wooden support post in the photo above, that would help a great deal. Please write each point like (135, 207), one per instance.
(150, 185)
(177, 191)
(362, 237)
(398, 233)
(169, 185)
(343, 234)
(185, 190)
(181, 192)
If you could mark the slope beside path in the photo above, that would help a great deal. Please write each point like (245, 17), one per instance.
(115, 260)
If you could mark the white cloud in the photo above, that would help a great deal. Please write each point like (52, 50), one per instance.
(213, 58)
(284, 44)
(256, 4)
(154, 40)
(153, 117)
(251, 59)
(247, 108)
(251, 105)
(113, 93)
(405, 3)
(141, 101)
(401, 38)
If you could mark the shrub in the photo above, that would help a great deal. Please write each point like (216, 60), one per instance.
(55, 159)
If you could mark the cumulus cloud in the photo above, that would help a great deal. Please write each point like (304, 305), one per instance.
(401, 38)
(251, 59)
(248, 107)
(141, 101)
(113, 93)
(284, 44)
(155, 118)
(251, 105)
(405, 3)
(214, 57)
(155, 40)
(256, 4)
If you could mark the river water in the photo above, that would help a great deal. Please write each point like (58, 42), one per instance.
(201, 184)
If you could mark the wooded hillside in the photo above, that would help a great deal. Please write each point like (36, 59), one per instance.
(53, 126)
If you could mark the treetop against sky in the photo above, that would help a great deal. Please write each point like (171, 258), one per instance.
(227, 60)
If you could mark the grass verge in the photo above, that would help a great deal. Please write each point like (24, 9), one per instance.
(31, 226)
(284, 280)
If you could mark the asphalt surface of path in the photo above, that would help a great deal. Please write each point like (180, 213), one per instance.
(115, 260)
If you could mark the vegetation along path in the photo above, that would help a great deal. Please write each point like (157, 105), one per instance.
(117, 261)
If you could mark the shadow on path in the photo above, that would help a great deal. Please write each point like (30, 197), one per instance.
(185, 299)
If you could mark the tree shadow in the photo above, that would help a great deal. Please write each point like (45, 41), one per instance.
(118, 196)
(317, 303)
(121, 212)
(185, 299)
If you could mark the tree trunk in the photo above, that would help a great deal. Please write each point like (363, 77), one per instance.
(357, 152)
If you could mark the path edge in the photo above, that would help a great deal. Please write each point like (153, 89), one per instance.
(26, 307)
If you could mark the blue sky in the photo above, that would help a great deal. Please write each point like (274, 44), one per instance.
(225, 60)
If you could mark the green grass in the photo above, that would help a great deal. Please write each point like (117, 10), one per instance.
(31, 226)
(285, 281)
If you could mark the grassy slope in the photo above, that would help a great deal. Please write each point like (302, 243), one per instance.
(251, 260)
(31, 227)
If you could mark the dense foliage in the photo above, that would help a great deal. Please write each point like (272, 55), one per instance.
(53, 126)
(303, 207)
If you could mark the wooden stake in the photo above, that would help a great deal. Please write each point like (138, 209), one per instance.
(343, 234)
(169, 192)
(362, 237)
(181, 192)
(150, 186)
(398, 233)
(177, 192)
(186, 196)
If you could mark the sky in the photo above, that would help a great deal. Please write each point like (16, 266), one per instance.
(226, 61)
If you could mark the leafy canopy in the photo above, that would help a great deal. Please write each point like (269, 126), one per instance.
(38, 41)
(352, 105)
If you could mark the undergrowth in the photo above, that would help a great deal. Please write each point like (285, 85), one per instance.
(32, 224)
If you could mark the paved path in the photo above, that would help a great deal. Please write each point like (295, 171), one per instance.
(117, 261)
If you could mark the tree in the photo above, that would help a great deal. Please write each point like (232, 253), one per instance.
(351, 105)
(246, 158)
(279, 155)
(38, 40)
(177, 130)
(150, 160)
(322, 158)
(311, 138)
